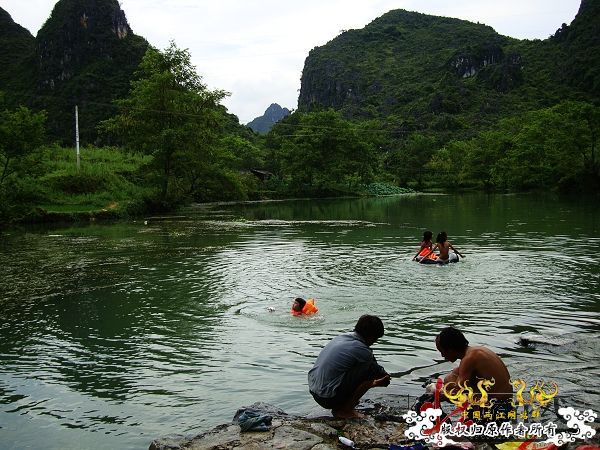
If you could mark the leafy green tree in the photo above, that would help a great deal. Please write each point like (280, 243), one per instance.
(407, 162)
(171, 115)
(554, 147)
(481, 155)
(242, 153)
(21, 133)
(322, 152)
(446, 165)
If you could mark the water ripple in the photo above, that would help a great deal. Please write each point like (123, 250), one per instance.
(135, 331)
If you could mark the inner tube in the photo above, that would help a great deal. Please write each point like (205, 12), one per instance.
(452, 258)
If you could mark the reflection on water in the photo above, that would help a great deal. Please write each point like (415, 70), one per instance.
(111, 335)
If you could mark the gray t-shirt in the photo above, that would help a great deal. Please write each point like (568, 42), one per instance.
(347, 358)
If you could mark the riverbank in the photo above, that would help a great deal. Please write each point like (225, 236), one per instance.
(382, 427)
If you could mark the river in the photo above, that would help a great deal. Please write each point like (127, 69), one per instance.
(114, 334)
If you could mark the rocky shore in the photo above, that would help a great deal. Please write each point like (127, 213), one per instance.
(382, 427)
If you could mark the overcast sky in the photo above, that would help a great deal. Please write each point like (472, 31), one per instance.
(256, 49)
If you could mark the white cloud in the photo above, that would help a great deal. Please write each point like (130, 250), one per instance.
(256, 50)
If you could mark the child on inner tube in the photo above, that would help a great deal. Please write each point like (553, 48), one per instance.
(444, 246)
(425, 246)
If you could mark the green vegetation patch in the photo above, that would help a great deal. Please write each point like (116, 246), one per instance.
(381, 189)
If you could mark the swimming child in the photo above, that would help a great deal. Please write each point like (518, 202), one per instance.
(426, 246)
(301, 306)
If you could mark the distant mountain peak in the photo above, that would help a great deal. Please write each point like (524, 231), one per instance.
(77, 33)
(273, 114)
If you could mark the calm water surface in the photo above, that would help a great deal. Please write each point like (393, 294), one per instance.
(112, 335)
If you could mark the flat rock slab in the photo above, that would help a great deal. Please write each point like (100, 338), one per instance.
(294, 433)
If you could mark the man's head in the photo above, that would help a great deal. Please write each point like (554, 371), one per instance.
(298, 304)
(451, 343)
(370, 328)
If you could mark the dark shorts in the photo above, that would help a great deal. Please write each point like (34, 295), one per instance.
(349, 384)
(329, 403)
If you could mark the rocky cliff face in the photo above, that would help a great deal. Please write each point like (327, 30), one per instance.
(489, 63)
(272, 115)
(77, 34)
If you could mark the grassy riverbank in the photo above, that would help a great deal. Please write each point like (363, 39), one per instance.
(108, 183)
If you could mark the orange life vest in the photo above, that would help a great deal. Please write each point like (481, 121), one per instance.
(308, 309)
(424, 252)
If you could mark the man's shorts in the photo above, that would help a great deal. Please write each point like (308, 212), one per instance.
(349, 384)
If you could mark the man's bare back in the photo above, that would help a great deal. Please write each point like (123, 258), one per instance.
(482, 363)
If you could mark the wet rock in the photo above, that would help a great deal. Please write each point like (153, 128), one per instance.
(535, 340)
(296, 433)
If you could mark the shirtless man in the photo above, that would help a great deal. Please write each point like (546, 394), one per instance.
(476, 363)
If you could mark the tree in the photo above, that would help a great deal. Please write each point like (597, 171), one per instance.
(21, 133)
(171, 115)
(407, 163)
(479, 165)
(447, 163)
(554, 147)
(321, 152)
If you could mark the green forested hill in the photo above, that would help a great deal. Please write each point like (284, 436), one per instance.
(441, 103)
(580, 43)
(410, 101)
(85, 54)
(17, 47)
(447, 75)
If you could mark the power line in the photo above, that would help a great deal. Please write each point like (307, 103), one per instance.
(386, 130)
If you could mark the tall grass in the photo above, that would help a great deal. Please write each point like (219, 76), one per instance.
(108, 178)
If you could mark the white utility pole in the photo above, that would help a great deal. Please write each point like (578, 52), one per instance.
(77, 135)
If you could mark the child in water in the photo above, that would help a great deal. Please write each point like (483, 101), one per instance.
(301, 306)
(444, 246)
(425, 246)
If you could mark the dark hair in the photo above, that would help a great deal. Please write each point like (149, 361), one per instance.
(300, 300)
(427, 235)
(451, 338)
(441, 237)
(369, 327)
